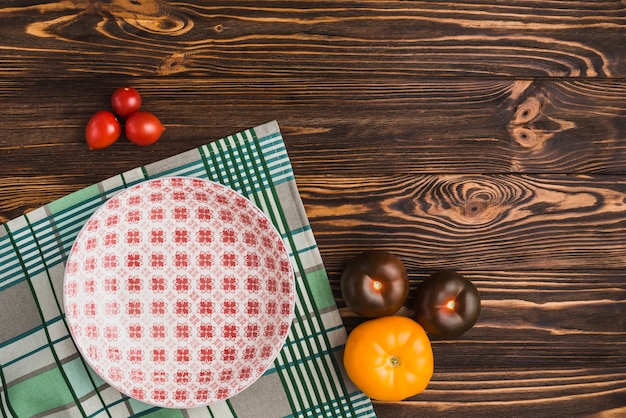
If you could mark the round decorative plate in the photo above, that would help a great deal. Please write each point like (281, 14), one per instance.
(179, 292)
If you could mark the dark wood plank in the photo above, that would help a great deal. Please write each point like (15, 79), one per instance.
(315, 38)
(501, 221)
(470, 126)
(563, 393)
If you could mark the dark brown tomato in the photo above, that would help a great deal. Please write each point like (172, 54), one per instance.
(374, 284)
(447, 304)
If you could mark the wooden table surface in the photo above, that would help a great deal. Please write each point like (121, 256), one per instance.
(487, 137)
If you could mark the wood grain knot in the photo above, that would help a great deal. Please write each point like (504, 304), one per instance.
(175, 63)
(529, 137)
(526, 112)
(152, 16)
(472, 201)
(531, 128)
(479, 203)
(163, 25)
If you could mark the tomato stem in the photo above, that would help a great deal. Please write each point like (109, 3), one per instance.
(394, 361)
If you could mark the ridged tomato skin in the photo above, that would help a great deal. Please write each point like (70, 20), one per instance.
(389, 358)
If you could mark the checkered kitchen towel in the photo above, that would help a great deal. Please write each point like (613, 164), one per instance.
(41, 372)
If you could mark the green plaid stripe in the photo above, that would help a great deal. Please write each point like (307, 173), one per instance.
(41, 372)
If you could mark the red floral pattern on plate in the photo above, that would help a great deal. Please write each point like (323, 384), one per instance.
(179, 292)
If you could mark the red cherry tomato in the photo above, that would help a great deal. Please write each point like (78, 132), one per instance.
(143, 128)
(102, 130)
(125, 101)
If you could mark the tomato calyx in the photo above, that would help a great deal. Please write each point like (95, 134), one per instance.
(395, 361)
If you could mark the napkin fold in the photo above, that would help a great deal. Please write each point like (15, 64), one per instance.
(43, 374)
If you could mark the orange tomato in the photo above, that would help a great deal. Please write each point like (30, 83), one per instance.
(389, 358)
